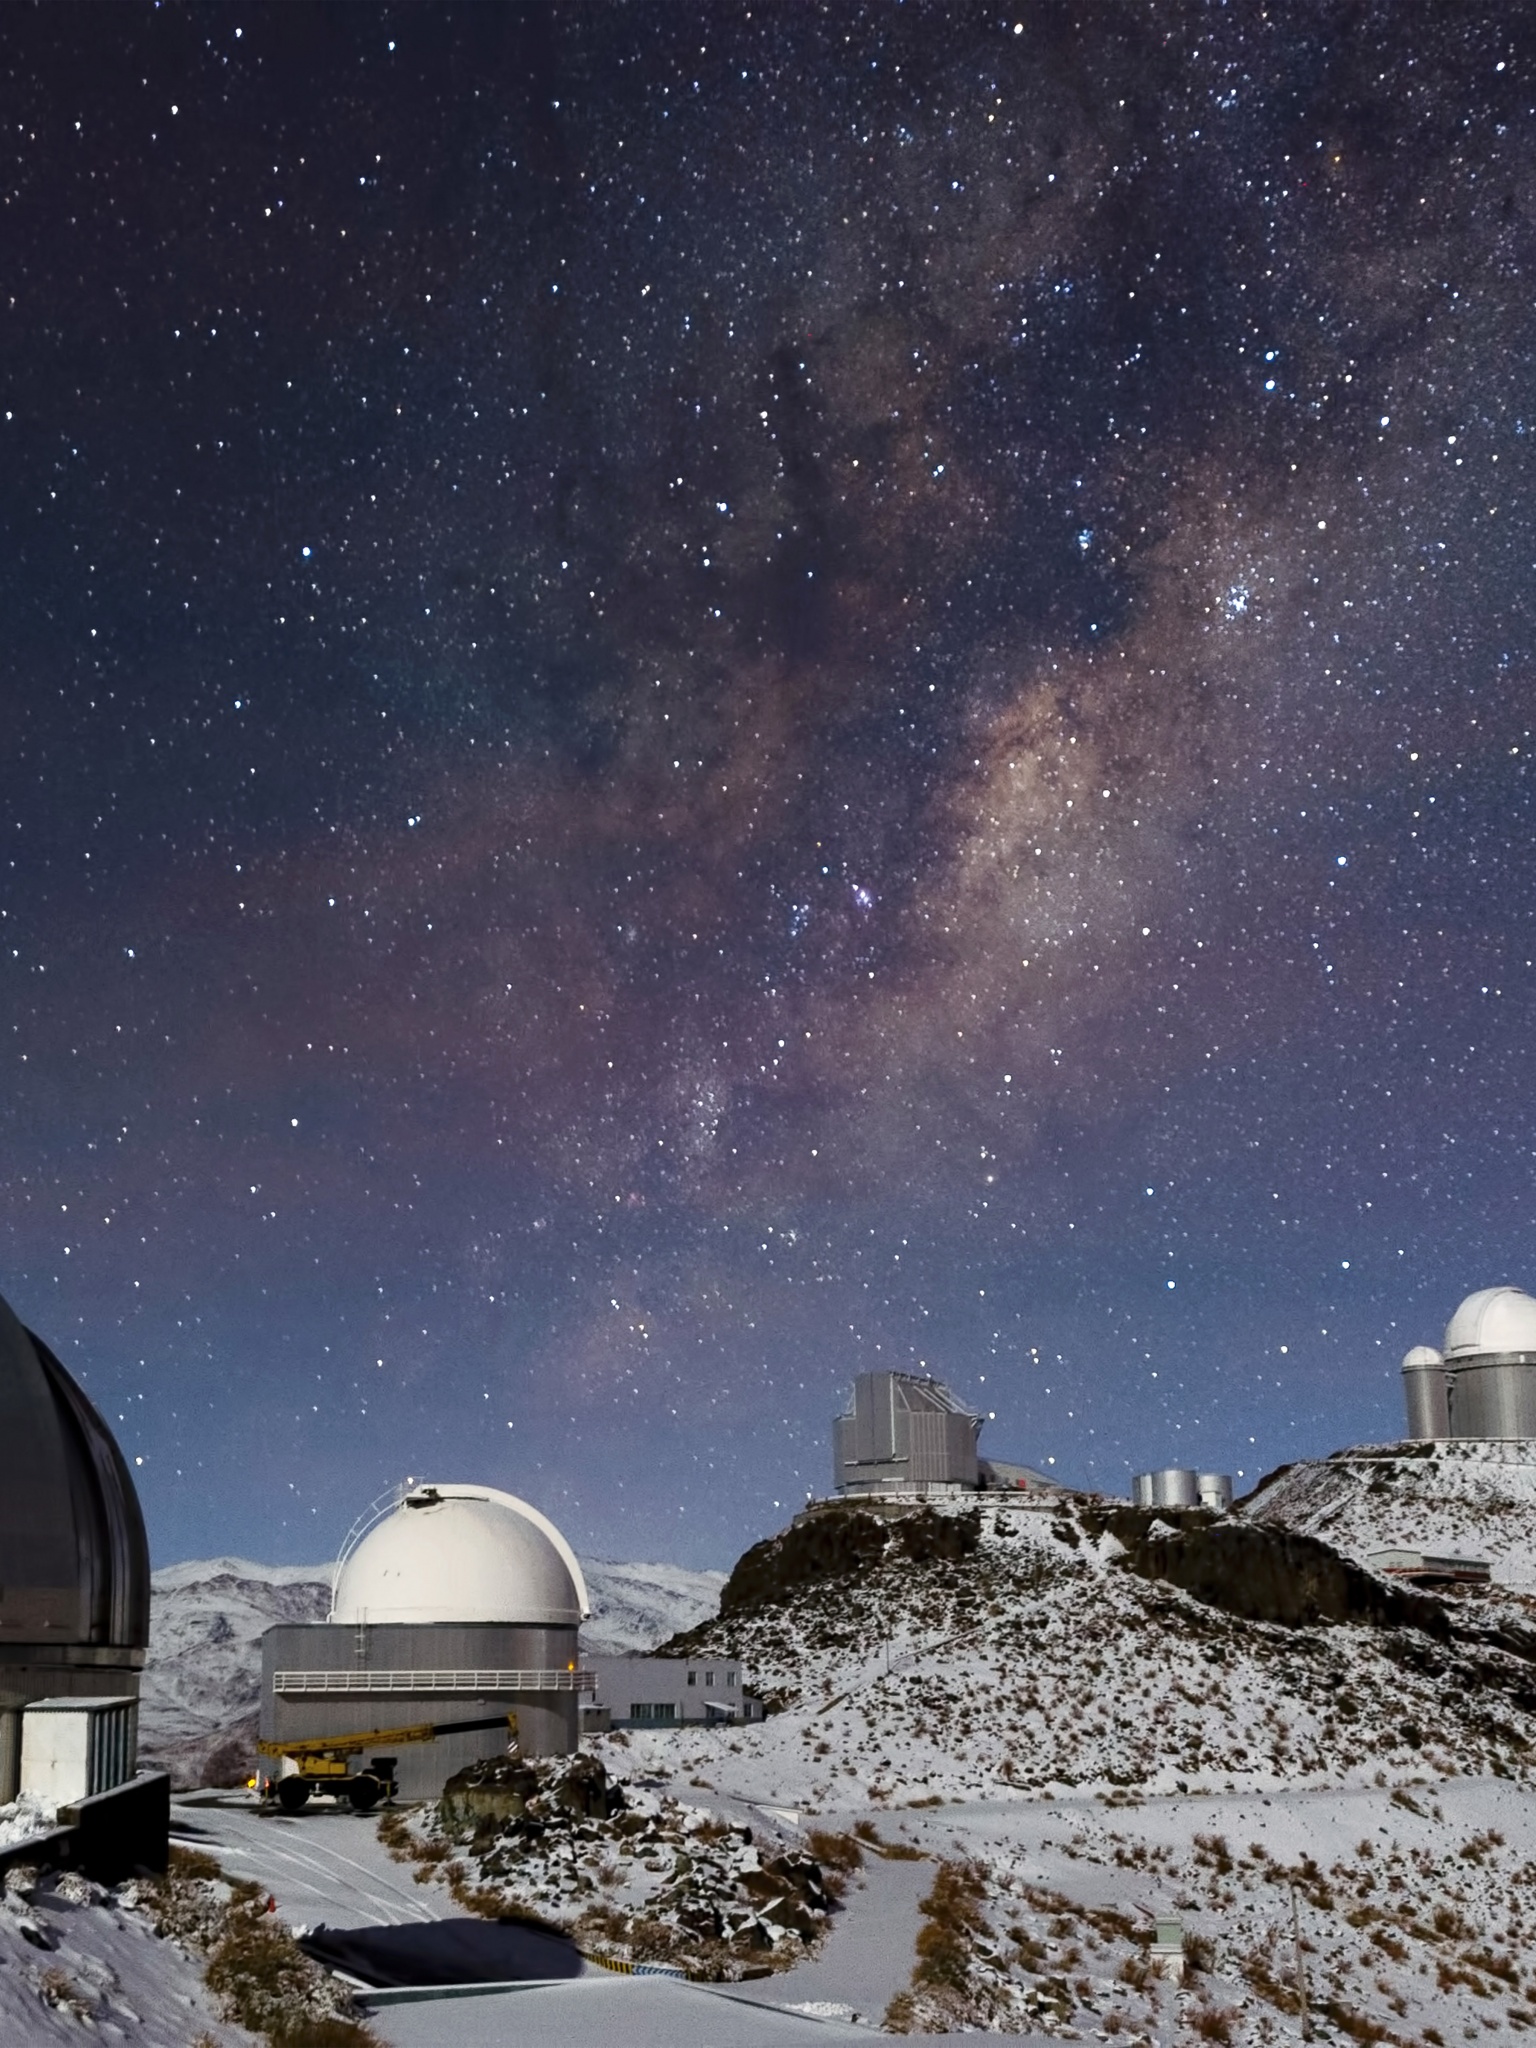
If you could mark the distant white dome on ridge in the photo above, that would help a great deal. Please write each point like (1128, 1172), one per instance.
(462, 1553)
(1494, 1319)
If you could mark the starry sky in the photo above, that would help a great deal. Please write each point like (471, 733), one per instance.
(698, 697)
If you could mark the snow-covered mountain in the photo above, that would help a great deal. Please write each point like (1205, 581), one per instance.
(1470, 1499)
(636, 1606)
(202, 1680)
(971, 1652)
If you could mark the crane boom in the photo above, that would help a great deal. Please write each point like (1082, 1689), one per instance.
(379, 1738)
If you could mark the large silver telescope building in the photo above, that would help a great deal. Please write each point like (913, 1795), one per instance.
(1483, 1383)
(905, 1433)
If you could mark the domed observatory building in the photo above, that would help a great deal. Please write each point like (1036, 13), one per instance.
(74, 1562)
(1483, 1384)
(452, 1604)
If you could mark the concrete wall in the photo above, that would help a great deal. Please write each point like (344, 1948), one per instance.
(546, 1721)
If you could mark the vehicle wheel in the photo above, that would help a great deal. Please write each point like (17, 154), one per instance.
(292, 1794)
(365, 1792)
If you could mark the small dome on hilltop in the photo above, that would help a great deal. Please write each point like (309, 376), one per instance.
(465, 1554)
(1495, 1319)
(1420, 1356)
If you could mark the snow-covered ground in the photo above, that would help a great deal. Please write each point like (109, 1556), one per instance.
(1471, 1499)
(1041, 1664)
(202, 1682)
(1060, 1751)
(1087, 1750)
(24, 1818)
(75, 1966)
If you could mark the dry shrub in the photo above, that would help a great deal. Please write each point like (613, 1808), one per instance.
(834, 1851)
(1358, 2026)
(394, 1832)
(900, 2014)
(893, 1852)
(258, 1972)
(1211, 2022)
(264, 1981)
(952, 1919)
(60, 1993)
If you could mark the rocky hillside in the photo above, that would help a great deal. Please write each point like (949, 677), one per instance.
(207, 1617)
(1472, 1499)
(969, 1651)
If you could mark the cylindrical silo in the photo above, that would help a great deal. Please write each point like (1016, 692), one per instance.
(1494, 1397)
(1424, 1391)
(1215, 1490)
(1169, 1488)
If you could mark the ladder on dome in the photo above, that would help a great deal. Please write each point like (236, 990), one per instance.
(383, 1504)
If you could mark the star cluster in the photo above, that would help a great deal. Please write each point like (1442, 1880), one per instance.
(695, 698)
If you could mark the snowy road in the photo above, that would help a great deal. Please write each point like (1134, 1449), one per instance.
(869, 1950)
(323, 1866)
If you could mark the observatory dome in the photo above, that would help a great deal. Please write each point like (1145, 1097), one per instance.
(461, 1554)
(74, 1562)
(1495, 1319)
(1420, 1356)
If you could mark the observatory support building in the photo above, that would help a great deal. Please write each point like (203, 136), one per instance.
(460, 1603)
(1483, 1384)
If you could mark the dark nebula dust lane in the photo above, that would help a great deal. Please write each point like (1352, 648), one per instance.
(696, 698)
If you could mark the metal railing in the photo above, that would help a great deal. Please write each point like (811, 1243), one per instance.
(489, 1684)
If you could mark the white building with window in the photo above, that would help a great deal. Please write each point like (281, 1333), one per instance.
(665, 1692)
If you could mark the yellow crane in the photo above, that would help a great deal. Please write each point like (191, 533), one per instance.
(327, 1763)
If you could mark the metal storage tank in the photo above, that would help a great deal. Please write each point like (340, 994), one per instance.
(1174, 1487)
(1425, 1394)
(1169, 1488)
(74, 1562)
(458, 1603)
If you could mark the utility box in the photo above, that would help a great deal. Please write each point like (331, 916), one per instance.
(1168, 1951)
(72, 1749)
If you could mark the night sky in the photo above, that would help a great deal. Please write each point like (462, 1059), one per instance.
(697, 698)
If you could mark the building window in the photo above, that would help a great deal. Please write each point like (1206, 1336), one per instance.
(730, 1678)
(693, 1678)
(709, 1678)
(652, 1710)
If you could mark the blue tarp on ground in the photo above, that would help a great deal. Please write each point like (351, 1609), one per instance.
(445, 1952)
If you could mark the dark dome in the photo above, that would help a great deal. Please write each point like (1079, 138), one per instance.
(74, 1562)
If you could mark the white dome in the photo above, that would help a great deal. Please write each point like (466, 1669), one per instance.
(1493, 1319)
(462, 1553)
(1420, 1356)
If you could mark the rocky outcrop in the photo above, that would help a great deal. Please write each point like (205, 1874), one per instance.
(1264, 1573)
(842, 1543)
